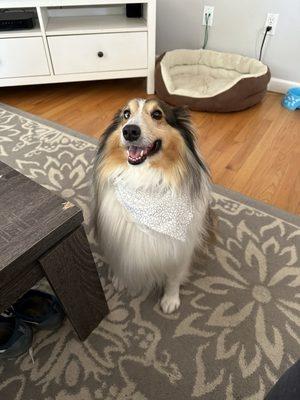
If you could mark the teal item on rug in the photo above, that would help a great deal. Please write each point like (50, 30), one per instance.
(235, 333)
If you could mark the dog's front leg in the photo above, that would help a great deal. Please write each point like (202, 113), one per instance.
(170, 301)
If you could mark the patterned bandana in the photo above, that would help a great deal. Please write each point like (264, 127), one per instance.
(161, 210)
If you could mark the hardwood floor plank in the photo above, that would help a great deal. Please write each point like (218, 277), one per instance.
(256, 151)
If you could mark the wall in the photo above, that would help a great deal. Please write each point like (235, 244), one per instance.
(178, 24)
(238, 27)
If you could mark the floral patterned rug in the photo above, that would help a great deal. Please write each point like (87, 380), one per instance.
(238, 328)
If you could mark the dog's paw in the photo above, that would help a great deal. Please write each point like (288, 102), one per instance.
(170, 304)
(118, 284)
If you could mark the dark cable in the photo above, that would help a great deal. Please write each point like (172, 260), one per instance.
(206, 31)
(268, 28)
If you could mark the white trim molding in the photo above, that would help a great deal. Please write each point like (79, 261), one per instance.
(280, 85)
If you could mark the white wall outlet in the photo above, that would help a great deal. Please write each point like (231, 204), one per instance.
(272, 20)
(208, 12)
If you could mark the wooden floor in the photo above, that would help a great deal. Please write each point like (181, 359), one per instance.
(255, 152)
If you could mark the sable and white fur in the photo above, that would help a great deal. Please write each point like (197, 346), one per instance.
(143, 258)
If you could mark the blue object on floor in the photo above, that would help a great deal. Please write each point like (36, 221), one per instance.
(39, 309)
(15, 337)
(291, 100)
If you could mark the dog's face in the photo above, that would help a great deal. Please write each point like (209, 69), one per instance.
(142, 130)
(149, 134)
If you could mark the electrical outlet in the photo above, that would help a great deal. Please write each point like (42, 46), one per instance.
(272, 20)
(208, 11)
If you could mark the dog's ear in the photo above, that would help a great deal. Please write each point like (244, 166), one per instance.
(109, 130)
(180, 119)
(175, 115)
(182, 114)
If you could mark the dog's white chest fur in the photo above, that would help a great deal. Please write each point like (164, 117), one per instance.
(138, 255)
(156, 209)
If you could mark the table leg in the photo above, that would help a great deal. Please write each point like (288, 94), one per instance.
(72, 273)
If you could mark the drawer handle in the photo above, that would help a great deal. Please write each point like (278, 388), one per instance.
(100, 54)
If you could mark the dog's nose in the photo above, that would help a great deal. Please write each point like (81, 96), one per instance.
(131, 132)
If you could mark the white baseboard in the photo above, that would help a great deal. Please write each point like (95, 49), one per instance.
(281, 85)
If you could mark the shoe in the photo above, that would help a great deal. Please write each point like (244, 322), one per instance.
(291, 100)
(15, 337)
(39, 309)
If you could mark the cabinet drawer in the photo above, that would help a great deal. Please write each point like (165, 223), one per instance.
(22, 57)
(98, 52)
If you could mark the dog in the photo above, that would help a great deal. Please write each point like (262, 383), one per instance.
(152, 193)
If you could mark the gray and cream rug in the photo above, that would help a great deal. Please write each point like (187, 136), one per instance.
(238, 328)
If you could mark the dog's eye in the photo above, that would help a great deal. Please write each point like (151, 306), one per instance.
(156, 114)
(126, 114)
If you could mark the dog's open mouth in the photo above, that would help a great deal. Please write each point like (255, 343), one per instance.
(137, 155)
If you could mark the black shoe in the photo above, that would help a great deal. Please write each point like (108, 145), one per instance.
(39, 309)
(15, 337)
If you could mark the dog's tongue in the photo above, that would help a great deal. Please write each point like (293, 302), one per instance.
(135, 152)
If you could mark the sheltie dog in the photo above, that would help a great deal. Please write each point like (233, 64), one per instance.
(151, 198)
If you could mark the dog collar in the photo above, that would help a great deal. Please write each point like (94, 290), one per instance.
(160, 210)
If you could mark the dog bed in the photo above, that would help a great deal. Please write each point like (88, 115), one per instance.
(207, 80)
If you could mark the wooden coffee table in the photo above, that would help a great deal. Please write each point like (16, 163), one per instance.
(42, 235)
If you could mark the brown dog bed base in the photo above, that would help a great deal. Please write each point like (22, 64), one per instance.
(207, 80)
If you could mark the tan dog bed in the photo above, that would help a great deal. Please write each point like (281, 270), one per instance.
(208, 80)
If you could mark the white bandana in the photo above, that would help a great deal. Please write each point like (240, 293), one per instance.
(161, 211)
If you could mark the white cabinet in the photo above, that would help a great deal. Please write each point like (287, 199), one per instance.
(21, 57)
(101, 52)
(78, 40)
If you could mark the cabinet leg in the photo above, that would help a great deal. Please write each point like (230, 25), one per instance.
(150, 84)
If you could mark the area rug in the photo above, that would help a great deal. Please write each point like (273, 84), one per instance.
(238, 328)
